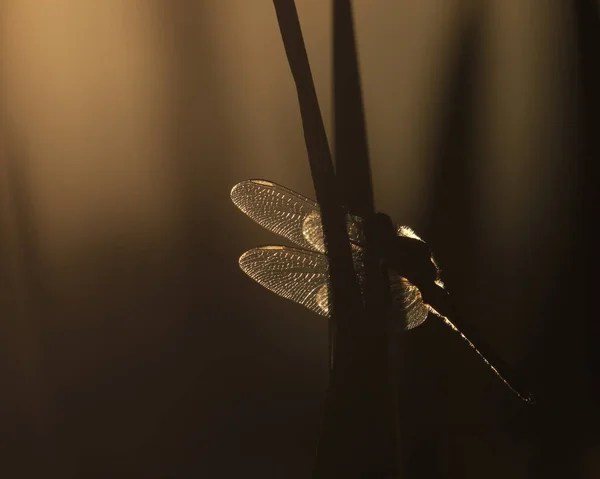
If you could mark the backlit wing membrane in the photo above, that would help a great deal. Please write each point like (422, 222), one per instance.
(294, 216)
(301, 276)
(406, 296)
(295, 274)
(287, 213)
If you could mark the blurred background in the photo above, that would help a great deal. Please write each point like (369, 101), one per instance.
(132, 346)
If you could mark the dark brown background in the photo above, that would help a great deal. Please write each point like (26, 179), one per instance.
(132, 346)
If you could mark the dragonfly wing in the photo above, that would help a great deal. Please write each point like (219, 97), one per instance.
(407, 297)
(288, 213)
(297, 275)
(279, 210)
(302, 276)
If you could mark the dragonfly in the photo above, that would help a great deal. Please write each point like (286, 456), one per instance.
(301, 274)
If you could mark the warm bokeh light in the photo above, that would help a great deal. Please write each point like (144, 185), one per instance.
(130, 341)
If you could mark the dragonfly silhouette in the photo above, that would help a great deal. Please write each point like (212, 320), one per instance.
(302, 275)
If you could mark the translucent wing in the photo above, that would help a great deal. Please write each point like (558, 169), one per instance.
(287, 213)
(298, 275)
(301, 276)
(406, 296)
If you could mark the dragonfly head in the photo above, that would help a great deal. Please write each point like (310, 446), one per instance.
(379, 230)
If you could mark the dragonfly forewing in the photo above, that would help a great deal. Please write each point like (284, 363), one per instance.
(288, 213)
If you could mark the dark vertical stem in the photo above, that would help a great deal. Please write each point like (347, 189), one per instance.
(344, 287)
(359, 437)
(587, 24)
(350, 140)
(24, 295)
(580, 265)
(453, 209)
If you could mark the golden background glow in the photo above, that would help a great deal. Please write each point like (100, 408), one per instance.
(131, 342)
